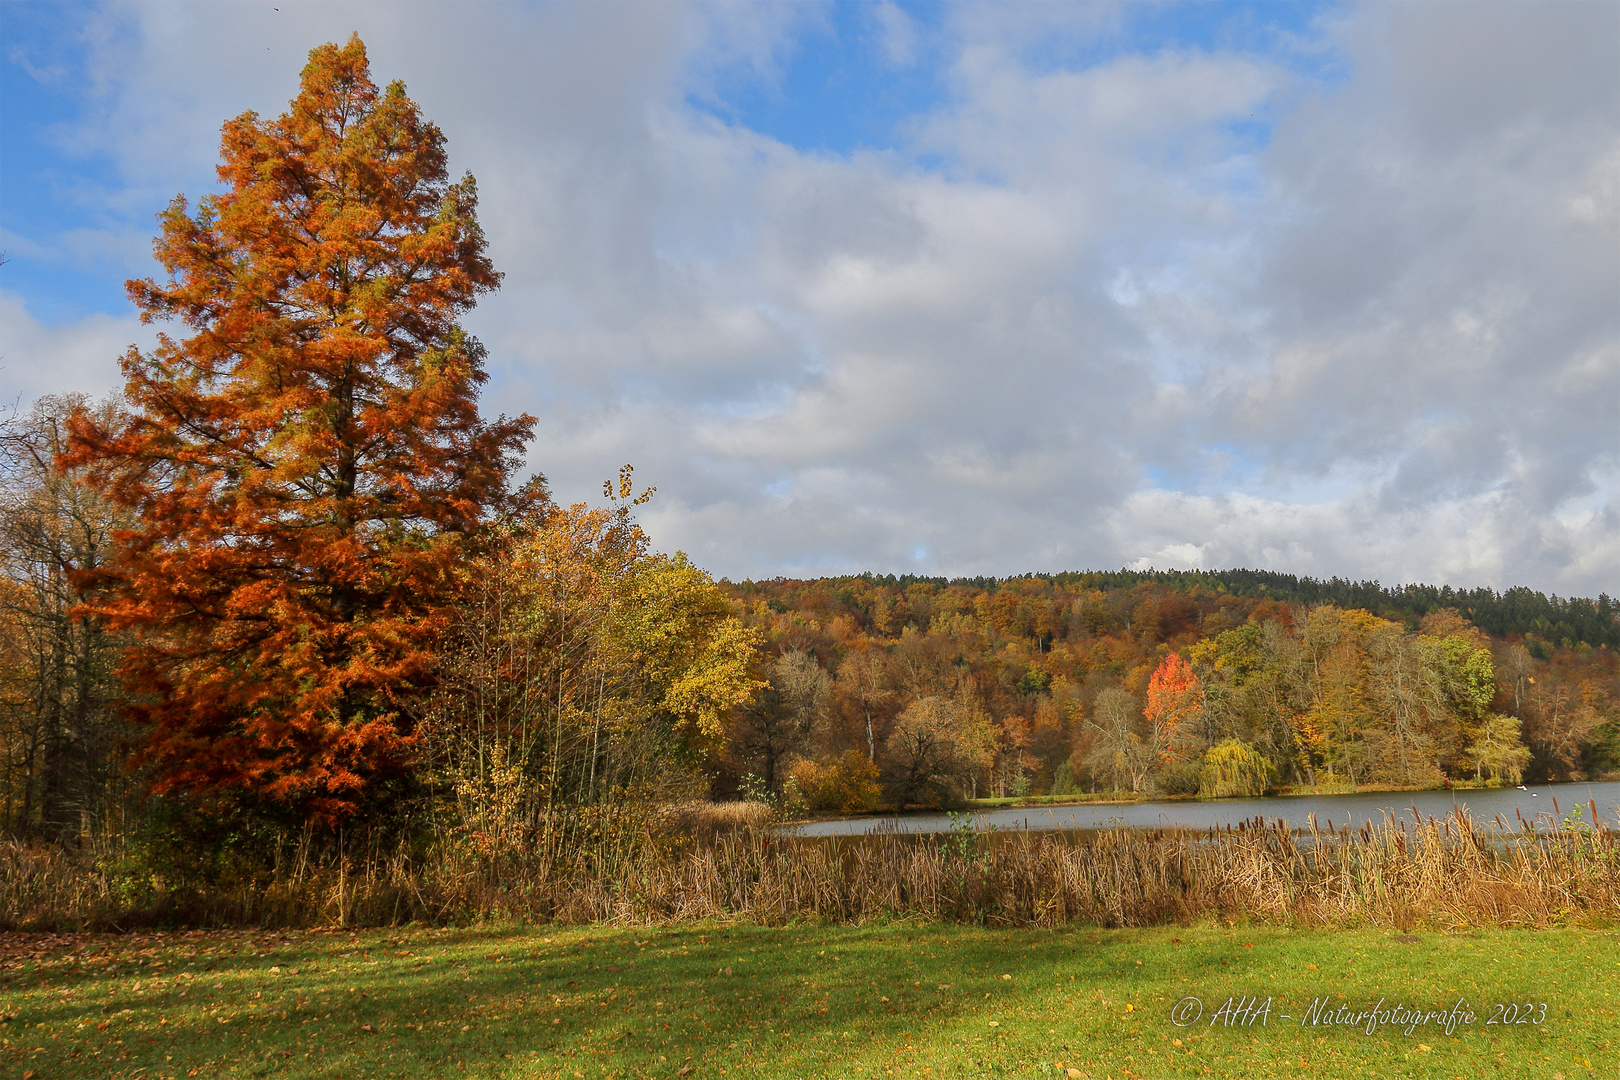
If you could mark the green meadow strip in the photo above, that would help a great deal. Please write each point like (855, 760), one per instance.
(894, 1000)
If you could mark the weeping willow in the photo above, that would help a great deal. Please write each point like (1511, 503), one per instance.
(1233, 768)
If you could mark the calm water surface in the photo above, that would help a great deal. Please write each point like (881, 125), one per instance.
(1297, 810)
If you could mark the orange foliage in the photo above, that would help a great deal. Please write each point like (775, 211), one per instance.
(1173, 699)
(306, 465)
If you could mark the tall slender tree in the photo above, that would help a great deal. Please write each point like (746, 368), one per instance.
(305, 466)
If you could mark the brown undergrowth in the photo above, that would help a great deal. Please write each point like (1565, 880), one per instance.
(696, 863)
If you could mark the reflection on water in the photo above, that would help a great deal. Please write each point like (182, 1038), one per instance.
(1297, 810)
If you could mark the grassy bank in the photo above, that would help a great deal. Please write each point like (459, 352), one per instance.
(1125, 798)
(709, 1000)
(1103, 798)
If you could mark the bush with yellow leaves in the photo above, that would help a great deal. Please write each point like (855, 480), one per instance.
(846, 785)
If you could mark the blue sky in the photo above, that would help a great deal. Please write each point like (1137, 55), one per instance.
(843, 85)
(836, 88)
(954, 288)
(47, 188)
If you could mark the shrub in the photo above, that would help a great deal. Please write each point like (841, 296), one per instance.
(1181, 778)
(847, 785)
(1063, 780)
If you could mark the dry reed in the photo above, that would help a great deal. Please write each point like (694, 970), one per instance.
(1443, 873)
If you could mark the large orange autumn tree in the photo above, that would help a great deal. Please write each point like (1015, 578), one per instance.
(306, 465)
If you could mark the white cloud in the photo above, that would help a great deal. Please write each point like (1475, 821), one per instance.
(1383, 344)
(80, 357)
(897, 33)
(1483, 538)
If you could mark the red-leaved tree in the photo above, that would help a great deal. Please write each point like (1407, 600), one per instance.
(1174, 699)
(305, 466)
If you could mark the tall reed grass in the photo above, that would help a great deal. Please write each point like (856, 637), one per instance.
(698, 863)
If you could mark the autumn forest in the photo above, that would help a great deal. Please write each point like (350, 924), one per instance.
(291, 592)
(1177, 683)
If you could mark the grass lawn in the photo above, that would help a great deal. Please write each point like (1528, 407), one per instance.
(806, 1001)
(1075, 799)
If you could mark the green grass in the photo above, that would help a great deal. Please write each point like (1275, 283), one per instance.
(1080, 798)
(1074, 799)
(805, 1001)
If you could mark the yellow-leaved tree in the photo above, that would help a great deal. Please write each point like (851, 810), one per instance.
(583, 682)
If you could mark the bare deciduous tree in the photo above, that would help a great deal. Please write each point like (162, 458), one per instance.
(61, 743)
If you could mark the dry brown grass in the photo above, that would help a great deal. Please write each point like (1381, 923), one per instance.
(705, 822)
(1449, 872)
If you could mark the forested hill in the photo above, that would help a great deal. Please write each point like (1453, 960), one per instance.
(1560, 621)
(1174, 681)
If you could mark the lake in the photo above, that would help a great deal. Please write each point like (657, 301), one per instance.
(1297, 810)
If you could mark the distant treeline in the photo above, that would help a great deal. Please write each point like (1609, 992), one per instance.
(1562, 621)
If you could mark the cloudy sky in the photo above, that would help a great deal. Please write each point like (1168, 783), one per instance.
(1329, 289)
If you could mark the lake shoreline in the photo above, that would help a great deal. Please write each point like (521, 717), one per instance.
(1058, 802)
(1534, 803)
